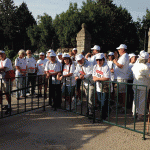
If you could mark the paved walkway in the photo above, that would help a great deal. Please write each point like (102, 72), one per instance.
(50, 130)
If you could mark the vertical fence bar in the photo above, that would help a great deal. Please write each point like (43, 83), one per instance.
(125, 121)
(50, 90)
(94, 103)
(82, 97)
(117, 103)
(9, 98)
(44, 94)
(19, 91)
(1, 94)
(31, 94)
(76, 98)
(25, 93)
(109, 100)
(145, 114)
(65, 93)
(70, 94)
(135, 106)
(39, 84)
(88, 99)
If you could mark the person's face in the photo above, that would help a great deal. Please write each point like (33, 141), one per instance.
(74, 51)
(22, 55)
(110, 57)
(42, 57)
(133, 59)
(52, 58)
(121, 50)
(81, 61)
(60, 57)
(29, 53)
(94, 51)
(100, 62)
(66, 60)
(149, 59)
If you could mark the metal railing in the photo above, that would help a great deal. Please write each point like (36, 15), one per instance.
(114, 117)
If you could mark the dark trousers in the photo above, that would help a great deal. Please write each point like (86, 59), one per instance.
(32, 80)
(55, 94)
(130, 95)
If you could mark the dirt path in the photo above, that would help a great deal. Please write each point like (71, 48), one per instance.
(38, 130)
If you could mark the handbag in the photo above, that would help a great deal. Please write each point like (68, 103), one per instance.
(10, 75)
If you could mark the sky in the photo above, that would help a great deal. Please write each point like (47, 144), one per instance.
(137, 8)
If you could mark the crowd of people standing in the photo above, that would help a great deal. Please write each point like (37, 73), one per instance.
(69, 70)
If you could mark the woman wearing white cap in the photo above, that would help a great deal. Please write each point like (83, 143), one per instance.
(52, 68)
(68, 69)
(59, 57)
(40, 66)
(132, 59)
(140, 77)
(101, 72)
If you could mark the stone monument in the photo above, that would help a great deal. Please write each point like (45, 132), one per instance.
(83, 40)
(149, 41)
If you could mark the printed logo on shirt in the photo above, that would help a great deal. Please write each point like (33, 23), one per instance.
(65, 70)
(51, 70)
(99, 72)
(40, 64)
(81, 72)
(31, 68)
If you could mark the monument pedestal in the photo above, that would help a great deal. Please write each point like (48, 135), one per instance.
(83, 40)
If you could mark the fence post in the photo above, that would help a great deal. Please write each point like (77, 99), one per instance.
(117, 103)
(94, 103)
(135, 106)
(82, 97)
(44, 94)
(126, 105)
(9, 94)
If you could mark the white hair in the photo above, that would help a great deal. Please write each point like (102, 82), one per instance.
(21, 52)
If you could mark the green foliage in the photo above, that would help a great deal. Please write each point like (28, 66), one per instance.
(9, 53)
(41, 35)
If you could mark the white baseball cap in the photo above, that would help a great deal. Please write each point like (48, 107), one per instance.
(59, 54)
(52, 54)
(110, 54)
(122, 46)
(41, 53)
(51, 51)
(96, 47)
(2, 52)
(66, 55)
(100, 56)
(79, 57)
(74, 49)
(144, 55)
(131, 55)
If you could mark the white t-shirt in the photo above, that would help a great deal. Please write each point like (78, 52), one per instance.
(20, 63)
(141, 75)
(52, 68)
(130, 72)
(41, 66)
(5, 63)
(31, 64)
(101, 72)
(66, 71)
(121, 73)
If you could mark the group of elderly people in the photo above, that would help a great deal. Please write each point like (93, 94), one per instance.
(75, 69)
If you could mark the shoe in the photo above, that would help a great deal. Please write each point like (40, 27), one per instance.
(5, 107)
(7, 111)
(68, 107)
(38, 95)
(72, 105)
(28, 94)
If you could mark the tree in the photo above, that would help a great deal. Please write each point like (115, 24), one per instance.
(41, 35)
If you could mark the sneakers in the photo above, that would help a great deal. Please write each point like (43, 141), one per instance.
(7, 111)
(28, 94)
(72, 106)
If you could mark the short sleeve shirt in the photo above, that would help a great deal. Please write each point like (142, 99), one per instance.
(121, 73)
(20, 62)
(31, 64)
(101, 72)
(66, 70)
(41, 66)
(52, 68)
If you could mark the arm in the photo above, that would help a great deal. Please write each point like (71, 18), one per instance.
(117, 64)
(100, 79)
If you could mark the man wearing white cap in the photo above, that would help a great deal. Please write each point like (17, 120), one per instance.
(59, 57)
(48, 53)
(31, 64)
(140, 77)
(5, 66)
(96, 49)
(120, 72)
(74, 51)
(101, 72)
(40, 66)
(52, 68)
(84, 71)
